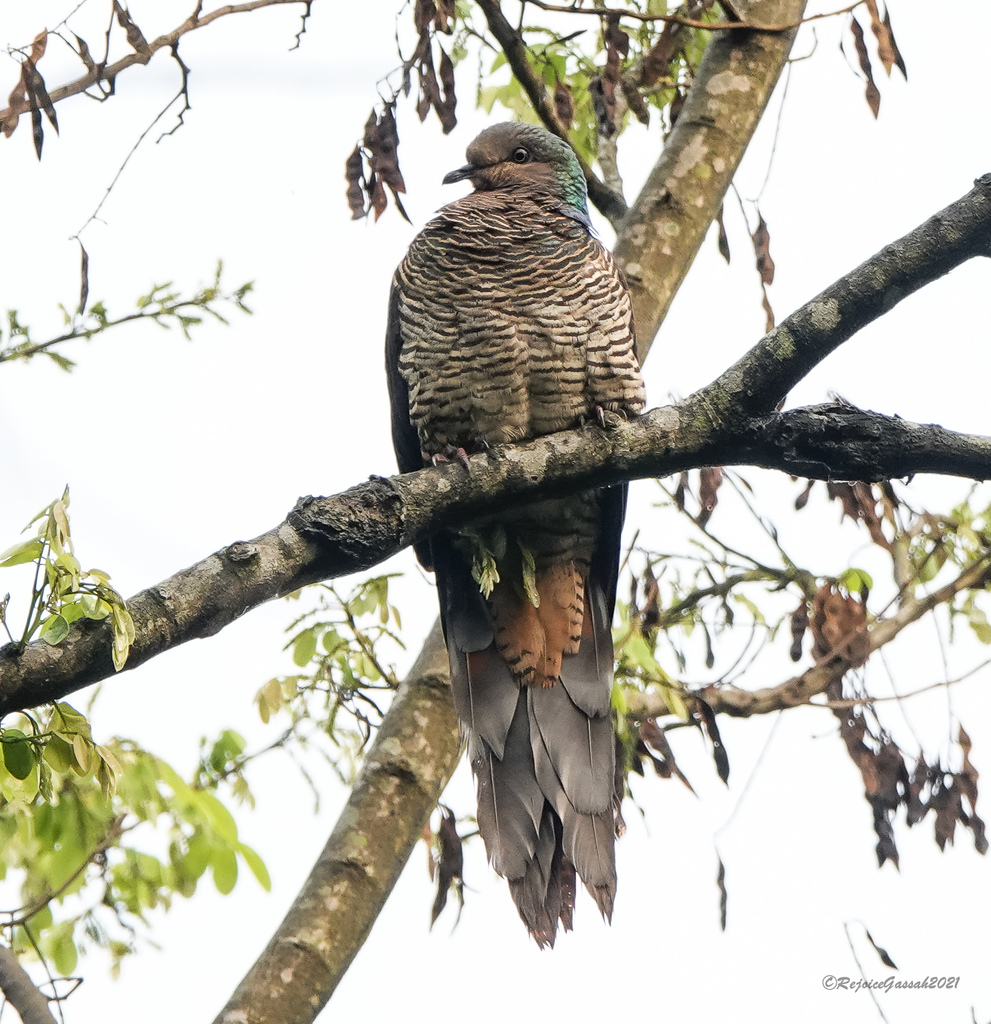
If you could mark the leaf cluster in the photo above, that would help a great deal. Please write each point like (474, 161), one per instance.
(97, 836)
(63, 591)
(707, 598)
(343, 647)
(163, 305)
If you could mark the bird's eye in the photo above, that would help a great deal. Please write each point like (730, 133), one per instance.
(521, 155)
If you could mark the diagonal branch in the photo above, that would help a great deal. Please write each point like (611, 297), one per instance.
(737, 702)
(769, 370)
(323, 538)
(414, 754)
(103, 72)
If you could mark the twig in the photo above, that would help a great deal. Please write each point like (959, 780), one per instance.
(677, 19)
(860, 968)
(120, 170)
(750, 778)
(839, 705)
(104, 72)
(24, 914)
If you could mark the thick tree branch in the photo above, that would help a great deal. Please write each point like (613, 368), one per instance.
(20, 991)
(769, 370)
(413, 756)
(323, 538)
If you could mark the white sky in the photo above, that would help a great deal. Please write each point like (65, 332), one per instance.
(174, 449)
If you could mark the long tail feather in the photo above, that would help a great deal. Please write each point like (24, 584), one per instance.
(543, 755)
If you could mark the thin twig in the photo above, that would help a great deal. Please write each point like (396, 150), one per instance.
(104, 72)
(860, 968)
(677, 19)
(853, 702)
(750, 778)
(114, 831)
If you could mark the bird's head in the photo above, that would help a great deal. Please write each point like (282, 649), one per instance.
(524, 157)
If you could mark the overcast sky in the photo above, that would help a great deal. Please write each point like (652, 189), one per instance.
(174, 449)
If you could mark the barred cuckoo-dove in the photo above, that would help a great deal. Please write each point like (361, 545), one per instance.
(509, 320)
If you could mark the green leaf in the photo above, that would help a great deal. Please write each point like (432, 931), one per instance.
(196, 859)
(82, 751)
(269, 699)
(62, 948)
(530, 577)
(304, 647)
(54, 629)
(221, 820)
(25, 551)
(856, 581)
(58, 754)
(484, 570)
(224, 865)
(675, 704)
(257, 866)
(978, 623)
(67, 719)
(45, 786)
(123, 629)
(18, 753)
(42, 919)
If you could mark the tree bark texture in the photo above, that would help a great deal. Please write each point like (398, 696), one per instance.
(20, 991)
(414, 753)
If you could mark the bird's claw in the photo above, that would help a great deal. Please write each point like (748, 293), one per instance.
(608, 419)
(450, 452)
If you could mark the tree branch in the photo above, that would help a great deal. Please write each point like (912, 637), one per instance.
(323, 538)
(784, 356)
(102, 72)
(21, 991)
(677, 19)
(737, 702)
(413, 756)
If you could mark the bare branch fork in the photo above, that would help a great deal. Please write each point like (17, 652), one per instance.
(98, 72)
(729, 422)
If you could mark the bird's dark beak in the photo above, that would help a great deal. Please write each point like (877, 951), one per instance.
(460, 174)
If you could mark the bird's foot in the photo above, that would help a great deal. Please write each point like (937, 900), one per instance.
(608, 419)
(449, 453)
